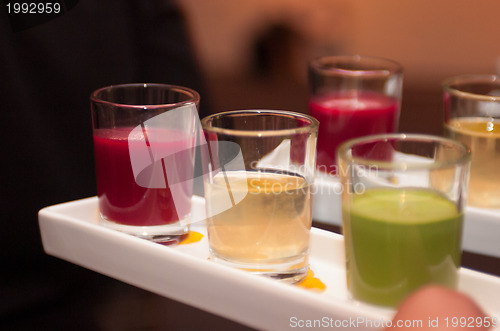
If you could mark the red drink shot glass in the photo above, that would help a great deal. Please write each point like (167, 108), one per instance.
(352, 96)
(144, 143)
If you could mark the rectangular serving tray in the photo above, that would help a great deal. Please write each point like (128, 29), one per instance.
(71, 231)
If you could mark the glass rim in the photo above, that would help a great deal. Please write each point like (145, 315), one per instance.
(186, 90)
(344, 148)
(320, 64)
(312, 125)
(468, 79)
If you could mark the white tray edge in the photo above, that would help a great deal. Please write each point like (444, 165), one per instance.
(71, 233)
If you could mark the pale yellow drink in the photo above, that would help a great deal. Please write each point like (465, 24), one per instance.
(482, 135)
(269, 226)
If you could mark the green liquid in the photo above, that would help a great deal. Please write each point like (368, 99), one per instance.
(398, 240)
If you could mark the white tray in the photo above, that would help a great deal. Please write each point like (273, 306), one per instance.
(481, 226)
(71, 232)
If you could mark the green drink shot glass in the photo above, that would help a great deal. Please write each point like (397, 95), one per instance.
(402, 204)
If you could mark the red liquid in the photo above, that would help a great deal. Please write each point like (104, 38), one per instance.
(348, 115)
(122, 199)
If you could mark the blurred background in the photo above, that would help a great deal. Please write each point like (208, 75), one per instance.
(237, 54)
(254, 54)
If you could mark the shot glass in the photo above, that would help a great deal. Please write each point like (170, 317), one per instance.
(144, 143)
(472, 116)
(402, 203)
(258, 190)
(352, 96)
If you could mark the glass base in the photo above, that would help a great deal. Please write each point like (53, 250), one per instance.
(290, 271)
(168, 234)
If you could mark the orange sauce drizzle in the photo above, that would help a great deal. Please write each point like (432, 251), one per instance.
(312, 283)
(192, 237)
